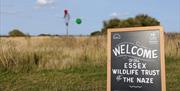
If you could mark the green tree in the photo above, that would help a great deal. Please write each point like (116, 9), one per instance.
(16, 33)
(137, 21)
(146, 20)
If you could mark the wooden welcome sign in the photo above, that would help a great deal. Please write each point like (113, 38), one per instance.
(136, 59)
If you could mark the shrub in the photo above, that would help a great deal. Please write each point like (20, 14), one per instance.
(16, 33)
(95, 33)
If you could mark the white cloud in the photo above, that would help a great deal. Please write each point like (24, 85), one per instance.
(45, 2)
(119, 15)
(114, 14)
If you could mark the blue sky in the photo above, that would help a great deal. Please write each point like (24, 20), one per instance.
(46, 16)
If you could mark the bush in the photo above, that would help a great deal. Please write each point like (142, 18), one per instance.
(95, 33)
(16, 33)
(45, 35)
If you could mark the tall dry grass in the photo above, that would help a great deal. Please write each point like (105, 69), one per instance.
(29, 53)
(36, 53)
(172, 44)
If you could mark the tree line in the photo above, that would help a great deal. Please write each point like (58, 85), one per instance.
(137, 21)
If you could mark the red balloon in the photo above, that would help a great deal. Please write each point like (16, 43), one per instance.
(65, 11)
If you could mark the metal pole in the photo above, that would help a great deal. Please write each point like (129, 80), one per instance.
(67, 31)
(67, 18)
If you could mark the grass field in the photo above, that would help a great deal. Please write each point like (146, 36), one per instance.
(68, 64)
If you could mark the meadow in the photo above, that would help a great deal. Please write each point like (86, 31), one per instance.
(68, 64)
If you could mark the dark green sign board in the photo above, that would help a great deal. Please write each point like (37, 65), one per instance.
(136, 59)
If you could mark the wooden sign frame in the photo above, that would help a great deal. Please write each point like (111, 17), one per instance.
(162, 59)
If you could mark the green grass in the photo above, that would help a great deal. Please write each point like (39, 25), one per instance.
(173, 73)
(85, 78)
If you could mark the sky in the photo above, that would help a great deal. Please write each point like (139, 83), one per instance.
(36, 17)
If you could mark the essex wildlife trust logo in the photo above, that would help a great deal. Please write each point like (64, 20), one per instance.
(153, 39)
